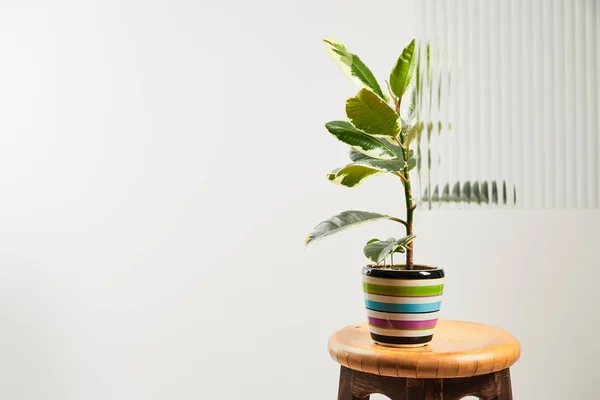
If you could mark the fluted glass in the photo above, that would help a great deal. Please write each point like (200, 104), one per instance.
(509, 103)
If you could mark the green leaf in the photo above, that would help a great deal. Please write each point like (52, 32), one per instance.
(361, 141)
(353, 67)
(405, 241)
(412, 163)
(371, 114)
(342, 221)
(377, 251)
(365, 166)
(362, 72)
(400, 249)
(402, 73)
(357, 155)
(382, 165)
(412, 160)
(351, 175)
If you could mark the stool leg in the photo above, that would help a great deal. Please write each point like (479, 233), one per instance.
(434, 389)
(346, 384)
(415, 389)
(503, 385)
(494, 386)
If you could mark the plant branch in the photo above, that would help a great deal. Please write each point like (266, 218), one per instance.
(398, 220)
(398, 102)
(401, 176)
(399, 143)
(392, 95)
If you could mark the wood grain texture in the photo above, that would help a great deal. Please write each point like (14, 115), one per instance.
(459, 349)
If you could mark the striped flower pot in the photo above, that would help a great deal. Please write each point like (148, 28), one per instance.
(403, 306)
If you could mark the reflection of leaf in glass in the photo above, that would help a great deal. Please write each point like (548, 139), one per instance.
(455, 191)
(470, 192)
(446, 192)
(485, 195)
(439, 104)
(466, 192)
(429, 79)
(494, 192)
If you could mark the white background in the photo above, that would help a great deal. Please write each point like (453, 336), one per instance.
(160, 165)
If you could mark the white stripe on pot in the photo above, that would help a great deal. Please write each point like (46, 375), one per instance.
(402, 300)
(402, 282)
(403, 316)
(401, 332)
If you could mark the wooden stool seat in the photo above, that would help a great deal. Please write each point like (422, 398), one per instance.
(458, 349)
(459, 352)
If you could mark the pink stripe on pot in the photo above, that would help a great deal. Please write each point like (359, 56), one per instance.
(385, 323)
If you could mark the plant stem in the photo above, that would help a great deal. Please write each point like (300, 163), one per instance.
(410, 207)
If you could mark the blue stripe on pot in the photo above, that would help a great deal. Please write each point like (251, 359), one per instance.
(403, 308)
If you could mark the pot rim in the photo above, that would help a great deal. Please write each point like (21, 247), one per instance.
(429, 273)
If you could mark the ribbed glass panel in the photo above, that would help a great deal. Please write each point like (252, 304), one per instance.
(508, 92)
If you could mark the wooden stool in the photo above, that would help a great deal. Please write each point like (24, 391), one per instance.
(464, 359)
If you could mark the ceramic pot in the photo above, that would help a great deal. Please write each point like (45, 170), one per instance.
(402, 305)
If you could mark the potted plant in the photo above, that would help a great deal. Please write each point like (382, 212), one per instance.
(402, 301)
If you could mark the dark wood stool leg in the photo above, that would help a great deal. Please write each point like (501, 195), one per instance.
(494, 386)
(346, 385)
(434, 389)
(503, 385)
(415, 389)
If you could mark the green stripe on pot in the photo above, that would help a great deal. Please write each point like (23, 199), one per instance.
(434, 290)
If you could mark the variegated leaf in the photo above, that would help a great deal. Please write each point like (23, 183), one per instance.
(371, 114)
(342, 221)
(377, 251)
(351, 175)
(352, 66)
(403, 71)
(382, 165)
(362, 142)
(412, 163)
